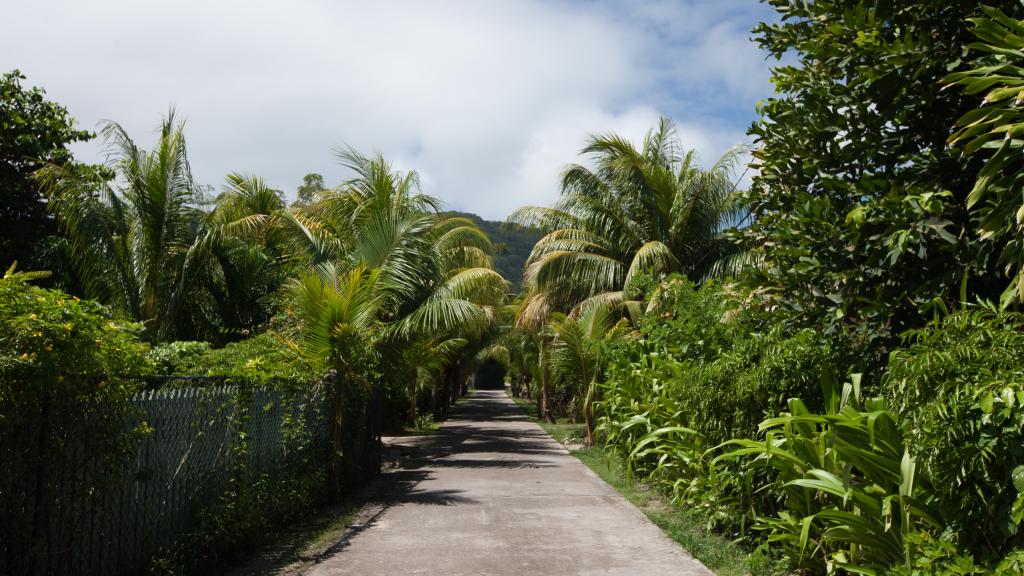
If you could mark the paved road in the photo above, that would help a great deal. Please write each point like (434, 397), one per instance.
(493, 494)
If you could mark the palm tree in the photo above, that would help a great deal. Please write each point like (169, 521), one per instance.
(429, 277)
(575, 356)
(427, 359)
(531, 316)
(651, 209)
(339, 312)
(140, 242)
(246, 269)
(134, 241)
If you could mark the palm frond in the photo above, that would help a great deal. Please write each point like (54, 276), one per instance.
(651, 257)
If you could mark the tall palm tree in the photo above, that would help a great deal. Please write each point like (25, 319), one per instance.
(430, 276)
(647, 209)
(139, 242)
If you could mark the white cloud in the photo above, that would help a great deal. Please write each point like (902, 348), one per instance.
(488, 100)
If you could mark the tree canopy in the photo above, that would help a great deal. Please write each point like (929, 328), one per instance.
(859, 205)
(33, 130)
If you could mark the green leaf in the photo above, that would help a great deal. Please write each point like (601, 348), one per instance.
(908, 469)
(1017, 510)
(986, 403)
(805, 530)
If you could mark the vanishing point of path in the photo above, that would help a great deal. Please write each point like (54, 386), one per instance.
(492, 494)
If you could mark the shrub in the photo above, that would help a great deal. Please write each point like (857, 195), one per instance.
(690, 322)
(705, 374)
(728, 397)
(723, 369)
(851, 493)
(260, 359)
(179, 357)
(959, 386)
(47, 335)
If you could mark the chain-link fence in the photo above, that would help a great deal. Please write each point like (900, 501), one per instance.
(71, 505)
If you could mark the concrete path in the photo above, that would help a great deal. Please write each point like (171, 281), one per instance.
(493, 494)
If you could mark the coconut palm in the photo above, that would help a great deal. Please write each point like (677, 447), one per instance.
(138, 241)
(246, 269)
(428, 276)
(340, 314)
(652, 209)
(575, 352)
(435, 272)
(428, 359)
(141, 242)
(531, 315)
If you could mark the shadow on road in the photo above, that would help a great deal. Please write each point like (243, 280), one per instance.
(467, 441)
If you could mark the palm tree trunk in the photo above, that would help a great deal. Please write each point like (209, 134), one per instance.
(588, 412)
(543, 404)
(413, 406)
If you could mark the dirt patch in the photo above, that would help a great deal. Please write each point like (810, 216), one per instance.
(573, 446)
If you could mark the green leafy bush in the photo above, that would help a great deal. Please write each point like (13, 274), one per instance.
(47, 336)
(859, 205)
(729, 397)
(690, 322)
(823, 486)
(725, 372)
(959, 386)
(705, 374)
(991, 131)
(260, 358)
(178, 357)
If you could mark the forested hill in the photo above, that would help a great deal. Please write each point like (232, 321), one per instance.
(512, 245)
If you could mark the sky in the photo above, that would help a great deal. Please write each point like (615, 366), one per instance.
(486, 100)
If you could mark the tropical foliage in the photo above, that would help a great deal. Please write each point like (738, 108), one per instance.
(755, 433)
(141, 243)
(32, 130)
(646, 209)
(575, 356)
(512, 246)
(826, 365)
(859, 204)
(867, 251)
(47, 334)
(262, 358)
(637, 212)
(958, 385)
(387, 281)
(347, 279)
(991, 131)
